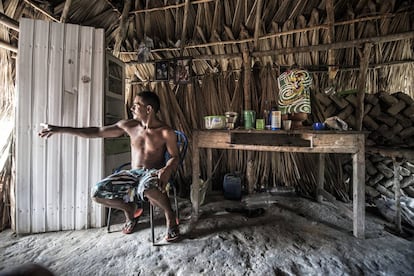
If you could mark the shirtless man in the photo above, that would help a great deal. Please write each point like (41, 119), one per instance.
(148, 177)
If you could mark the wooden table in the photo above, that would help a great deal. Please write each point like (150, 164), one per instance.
(305, 141)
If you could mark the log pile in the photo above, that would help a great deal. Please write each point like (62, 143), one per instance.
(379, 177)
(388, 117)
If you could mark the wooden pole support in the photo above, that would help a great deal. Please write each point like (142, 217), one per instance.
(246, 84)
(362, 81)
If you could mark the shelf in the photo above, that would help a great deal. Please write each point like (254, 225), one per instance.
(114, 95)
(114, 77)
(115, 106)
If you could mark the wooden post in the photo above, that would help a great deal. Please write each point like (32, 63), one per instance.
(362, 80)
(246, 83)
(331, 37)
(358, 184)
(259, 5)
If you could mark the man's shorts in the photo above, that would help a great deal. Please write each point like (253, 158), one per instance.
(126, 184)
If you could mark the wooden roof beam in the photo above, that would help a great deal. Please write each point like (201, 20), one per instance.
(320, 47)
(113, 7)
(9, 22)
(171, 6)
(337, 45)
(65, 12)
(7, 46)
(39, 9)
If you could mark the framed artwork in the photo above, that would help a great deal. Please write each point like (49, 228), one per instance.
(182, 70)
(162, 70)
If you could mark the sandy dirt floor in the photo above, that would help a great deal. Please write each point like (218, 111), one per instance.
(294, 236)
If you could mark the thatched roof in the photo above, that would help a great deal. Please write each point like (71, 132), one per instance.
(215, 33)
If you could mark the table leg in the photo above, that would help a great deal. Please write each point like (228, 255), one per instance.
(196, 176)
(358, 182)
(209, 169)
(321, 177)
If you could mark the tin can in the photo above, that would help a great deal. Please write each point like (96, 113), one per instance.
(276, 120)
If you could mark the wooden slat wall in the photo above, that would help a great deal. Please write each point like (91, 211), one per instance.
(60, 81)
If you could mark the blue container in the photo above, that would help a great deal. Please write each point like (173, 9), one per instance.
(232, 186)
(318, 126)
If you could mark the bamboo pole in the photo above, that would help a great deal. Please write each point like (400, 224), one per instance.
(184, 31)
(112, 6)
(65, 11)
(7, 46)
(9, 22)
(39, 9)
(259, 5)
(338, 45)
(321, 47)
(169, 7)
(123, 21)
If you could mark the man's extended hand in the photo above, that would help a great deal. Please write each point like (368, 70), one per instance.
(47, 130)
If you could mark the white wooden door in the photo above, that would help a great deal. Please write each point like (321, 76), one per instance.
(60, 81)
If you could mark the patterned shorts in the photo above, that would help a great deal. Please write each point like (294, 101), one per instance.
(126, 184)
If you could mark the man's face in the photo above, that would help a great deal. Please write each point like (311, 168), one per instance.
(139, 109)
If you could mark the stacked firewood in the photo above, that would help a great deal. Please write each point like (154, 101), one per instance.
(379, 177)
(388, 117)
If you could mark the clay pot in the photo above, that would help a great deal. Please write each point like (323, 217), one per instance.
(298, 118)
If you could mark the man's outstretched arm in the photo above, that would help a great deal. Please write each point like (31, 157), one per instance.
(86, 132)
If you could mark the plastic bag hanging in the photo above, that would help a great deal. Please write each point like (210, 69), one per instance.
(144, 49)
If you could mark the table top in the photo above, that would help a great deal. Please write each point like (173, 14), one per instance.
(282, 131)
(301, 140)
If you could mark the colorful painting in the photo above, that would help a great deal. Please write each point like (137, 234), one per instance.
(294, 91)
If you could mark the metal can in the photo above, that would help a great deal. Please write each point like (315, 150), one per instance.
(276, 120)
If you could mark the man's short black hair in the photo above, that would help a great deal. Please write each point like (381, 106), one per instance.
(150, 98)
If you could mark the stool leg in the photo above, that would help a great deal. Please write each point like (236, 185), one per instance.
(152, 222)
(177, 215)
(108, 221)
